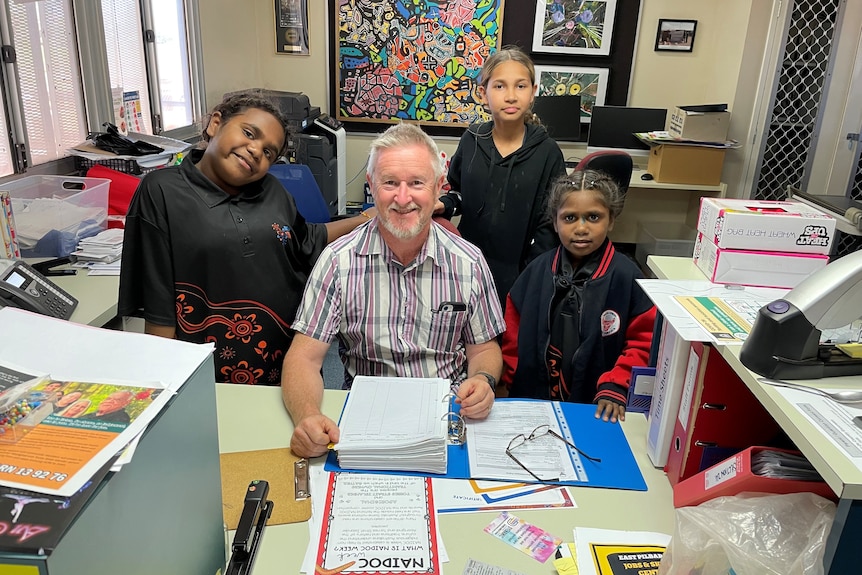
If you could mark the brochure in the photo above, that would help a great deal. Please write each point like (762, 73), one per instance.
(81, 426)
(34, 522)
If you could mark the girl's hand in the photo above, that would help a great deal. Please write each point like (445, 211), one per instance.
(610, 411)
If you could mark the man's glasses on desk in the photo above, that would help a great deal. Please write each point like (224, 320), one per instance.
(541, 431)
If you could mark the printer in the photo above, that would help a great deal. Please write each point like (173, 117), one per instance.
(318, 141)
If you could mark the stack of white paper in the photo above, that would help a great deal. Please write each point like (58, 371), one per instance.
(395, 424)
(105, 247)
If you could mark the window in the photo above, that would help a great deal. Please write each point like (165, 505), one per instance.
(66, 58)
(124, 42)
(6, 165)
(172, 55)
(48, 77)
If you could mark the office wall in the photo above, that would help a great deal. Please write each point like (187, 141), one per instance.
(239, 52)
(709, 73)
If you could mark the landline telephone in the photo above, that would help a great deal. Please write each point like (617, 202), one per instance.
(23, 287)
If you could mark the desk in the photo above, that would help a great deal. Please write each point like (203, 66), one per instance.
(252, 418)
(674, 268)
(96, 295)
(648, 200)
(839, 471)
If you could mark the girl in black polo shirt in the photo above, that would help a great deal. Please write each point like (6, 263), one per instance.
(215, 250)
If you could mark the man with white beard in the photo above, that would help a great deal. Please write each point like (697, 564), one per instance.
(404, 296)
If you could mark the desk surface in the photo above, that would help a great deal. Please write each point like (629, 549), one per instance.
(638, 182)
(96, 295)
(674, 268)
(839, 471)
(252, 418)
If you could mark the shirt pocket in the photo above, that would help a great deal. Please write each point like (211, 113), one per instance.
(444, 333)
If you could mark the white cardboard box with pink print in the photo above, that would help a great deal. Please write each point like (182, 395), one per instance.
(763, 225)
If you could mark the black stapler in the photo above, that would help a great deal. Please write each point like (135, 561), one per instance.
(249, 531)
(46, 268)
(785, 339)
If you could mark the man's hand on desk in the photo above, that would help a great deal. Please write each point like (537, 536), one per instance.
(476, 397)
(313, 435)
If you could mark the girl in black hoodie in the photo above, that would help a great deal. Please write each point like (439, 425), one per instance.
(501, 171)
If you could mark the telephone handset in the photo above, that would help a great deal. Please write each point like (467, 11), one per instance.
(23, 287)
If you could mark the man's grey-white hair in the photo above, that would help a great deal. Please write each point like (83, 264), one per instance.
(404, 134)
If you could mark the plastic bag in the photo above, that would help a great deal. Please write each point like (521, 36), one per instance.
(751, 534)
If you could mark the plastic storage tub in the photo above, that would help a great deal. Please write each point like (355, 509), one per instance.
(52, 213)
(664, 239)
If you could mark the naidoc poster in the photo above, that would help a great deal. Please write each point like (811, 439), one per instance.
(414, 60)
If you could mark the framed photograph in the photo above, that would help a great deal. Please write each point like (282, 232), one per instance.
(291, 27)
(675, 35)
(574, 26)
(591, 84)
(420, 64)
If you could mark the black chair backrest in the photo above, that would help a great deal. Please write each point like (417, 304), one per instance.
(615, 163)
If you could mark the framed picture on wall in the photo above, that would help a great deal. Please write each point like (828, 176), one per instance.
(591, 84)
(675, 35)
(574, 26)
(413, 61)
(291, 27)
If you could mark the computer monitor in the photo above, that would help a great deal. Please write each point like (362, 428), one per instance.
(561, 116)
(612, 127)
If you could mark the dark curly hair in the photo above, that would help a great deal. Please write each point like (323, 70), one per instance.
(579, 181)
(234, 104)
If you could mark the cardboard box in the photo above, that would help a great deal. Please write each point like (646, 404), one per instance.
(763, 225)
(690, 123)
(686, 164)
(753, 268)
(734, 476)
(673, 357)
(717, 412)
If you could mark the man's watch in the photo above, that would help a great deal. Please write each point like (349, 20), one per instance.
(492, 381)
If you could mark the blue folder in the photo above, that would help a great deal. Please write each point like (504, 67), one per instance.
(617, 470)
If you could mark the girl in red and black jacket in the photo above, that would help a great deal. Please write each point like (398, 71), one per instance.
(576, 319)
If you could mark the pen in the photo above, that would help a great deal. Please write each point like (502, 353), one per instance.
(68, 272)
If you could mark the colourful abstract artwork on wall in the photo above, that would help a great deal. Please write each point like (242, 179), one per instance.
(414, 59)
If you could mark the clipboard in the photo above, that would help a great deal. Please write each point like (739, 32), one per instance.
(286, 473)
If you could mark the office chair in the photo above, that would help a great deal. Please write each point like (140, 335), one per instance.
(300, 182)
(447, 224)
(615, 163)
